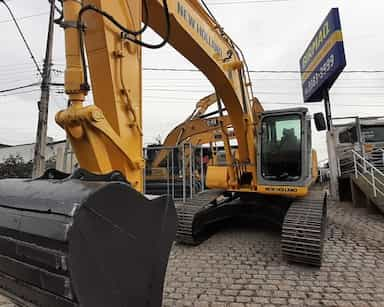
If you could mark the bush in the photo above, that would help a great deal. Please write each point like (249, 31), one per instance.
(15, 167)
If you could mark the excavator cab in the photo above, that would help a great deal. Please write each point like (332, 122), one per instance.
(285, 148)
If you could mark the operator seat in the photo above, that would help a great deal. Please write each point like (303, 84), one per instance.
(290, 153)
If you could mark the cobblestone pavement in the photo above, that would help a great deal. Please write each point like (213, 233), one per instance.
(363, 222)
(242, 266)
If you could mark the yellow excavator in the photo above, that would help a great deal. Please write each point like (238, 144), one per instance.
(199, 128)
(167, 159)
(92, 238)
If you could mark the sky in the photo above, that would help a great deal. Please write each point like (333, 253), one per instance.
(273, 35)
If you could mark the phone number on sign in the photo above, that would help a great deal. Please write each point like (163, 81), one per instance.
(320, 74)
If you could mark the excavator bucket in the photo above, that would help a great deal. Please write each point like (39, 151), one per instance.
(83, 242)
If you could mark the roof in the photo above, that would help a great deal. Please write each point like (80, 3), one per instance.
(18, 145)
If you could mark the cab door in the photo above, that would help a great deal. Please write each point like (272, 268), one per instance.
(284, 152)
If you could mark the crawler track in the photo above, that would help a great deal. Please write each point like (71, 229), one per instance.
(188, 212)
(304, 230)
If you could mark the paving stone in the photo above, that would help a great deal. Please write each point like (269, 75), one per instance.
(248, 265)
(242, 267)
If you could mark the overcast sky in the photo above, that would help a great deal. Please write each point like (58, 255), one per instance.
(272, 34)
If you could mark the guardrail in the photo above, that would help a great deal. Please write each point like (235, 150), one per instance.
(376, 157)
(180, 175)
(370, 173)
(345, 159)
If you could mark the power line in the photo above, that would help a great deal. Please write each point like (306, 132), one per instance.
(185, 101)
(255, 71)
(19, 87)
(23, 37)
(24, 17)
(269, 71)
(266, 103)
(20, 93)
(17, 64)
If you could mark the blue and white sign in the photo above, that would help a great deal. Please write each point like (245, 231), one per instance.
(324, 58)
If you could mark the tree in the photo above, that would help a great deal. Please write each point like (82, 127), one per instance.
(15, 167)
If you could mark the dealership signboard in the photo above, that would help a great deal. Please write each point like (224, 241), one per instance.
(324, 59)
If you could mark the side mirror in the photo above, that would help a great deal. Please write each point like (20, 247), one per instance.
(320, 121)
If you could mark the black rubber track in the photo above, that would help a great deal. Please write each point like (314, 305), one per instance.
(304, 230)
(188, 212)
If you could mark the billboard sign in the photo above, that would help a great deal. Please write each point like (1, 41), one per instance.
(324, 58)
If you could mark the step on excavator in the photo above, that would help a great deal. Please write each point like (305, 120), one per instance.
(92, 238)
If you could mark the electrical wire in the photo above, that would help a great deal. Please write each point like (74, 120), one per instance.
(20, 93)
(19, 87)
(269, 71)
(375, 71)
(23, 37)
(24, 17)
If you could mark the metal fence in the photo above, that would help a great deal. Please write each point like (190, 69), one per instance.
(345, 162)
(181, 174)
(373, 176)
(356, 134)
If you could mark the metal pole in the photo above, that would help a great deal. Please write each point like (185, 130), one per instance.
(202, 169)
(173, 173)
(365, 164)
(355, 163)
(168, 179)
(66, 153)
(331, 146)
(373, 182)
(184, 179)
(145, 153)
(327, 106)
(72, 162)
(382, 156)
(190, 171)
(41, 136)
(338, 167)
(360, 136)
(194, 168)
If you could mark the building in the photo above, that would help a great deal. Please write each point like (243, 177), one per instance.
(55, 150)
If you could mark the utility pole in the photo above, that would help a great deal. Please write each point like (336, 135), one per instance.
(41, 135)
